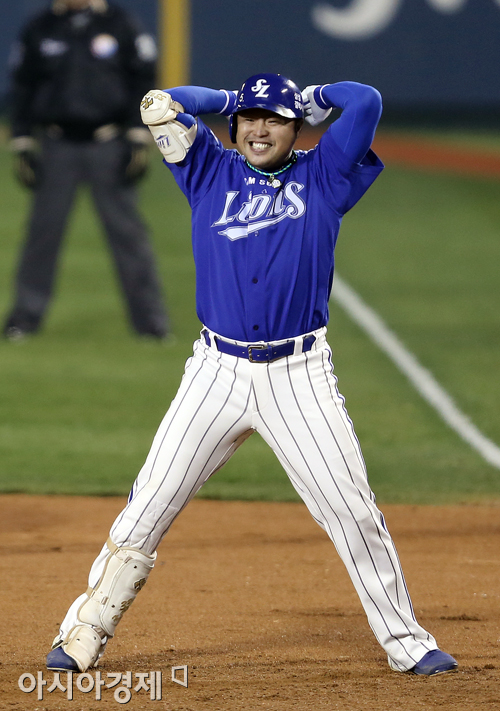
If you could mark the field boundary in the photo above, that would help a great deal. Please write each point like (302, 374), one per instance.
(411, 150)
(407, 149)
(433, 154)
(422, 379)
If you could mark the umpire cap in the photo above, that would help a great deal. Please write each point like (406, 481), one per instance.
(272, 92)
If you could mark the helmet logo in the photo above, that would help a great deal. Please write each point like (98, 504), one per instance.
(261, 89)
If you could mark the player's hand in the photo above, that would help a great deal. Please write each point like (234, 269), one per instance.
(158, 107)
(137, 160)
(26, 161)
(313, 113)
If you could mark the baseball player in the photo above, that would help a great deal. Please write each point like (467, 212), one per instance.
(265, 220)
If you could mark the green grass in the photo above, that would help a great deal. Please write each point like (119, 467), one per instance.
(80, 403)
(423, 250)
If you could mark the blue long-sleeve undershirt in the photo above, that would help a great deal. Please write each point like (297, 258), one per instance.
(198, 100)
(353, 131)
(361, 107)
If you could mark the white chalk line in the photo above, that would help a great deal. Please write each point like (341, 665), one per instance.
(421, 378)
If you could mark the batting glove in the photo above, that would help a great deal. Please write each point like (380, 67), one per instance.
(315, 108)
(158, 107)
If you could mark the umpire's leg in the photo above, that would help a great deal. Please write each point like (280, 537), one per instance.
(116, 202)
(60, 174)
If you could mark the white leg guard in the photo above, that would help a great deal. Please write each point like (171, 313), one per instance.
(125, 573)
(84, 645)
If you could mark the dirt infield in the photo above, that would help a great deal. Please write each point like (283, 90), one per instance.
(253, 599)
(432, 154)
(412, 150)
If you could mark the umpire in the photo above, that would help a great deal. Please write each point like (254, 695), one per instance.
(80, 71)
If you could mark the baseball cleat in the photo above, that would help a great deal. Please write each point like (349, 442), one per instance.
(58, 660)
(435, 662)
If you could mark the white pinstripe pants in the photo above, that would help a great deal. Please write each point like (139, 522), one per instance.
(295, 406)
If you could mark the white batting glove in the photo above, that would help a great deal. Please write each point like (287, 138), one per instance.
(314, 114)
(158, 107)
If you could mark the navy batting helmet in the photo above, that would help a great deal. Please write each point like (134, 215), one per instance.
(273, 92)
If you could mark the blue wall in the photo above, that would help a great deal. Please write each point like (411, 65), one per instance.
(416, 52)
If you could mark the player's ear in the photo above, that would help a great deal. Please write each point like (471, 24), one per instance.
(298, 126)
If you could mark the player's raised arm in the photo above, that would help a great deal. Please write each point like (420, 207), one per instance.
(170, 116)
(199, 100)
(361, 107)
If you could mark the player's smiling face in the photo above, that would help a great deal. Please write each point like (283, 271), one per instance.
(265, 138)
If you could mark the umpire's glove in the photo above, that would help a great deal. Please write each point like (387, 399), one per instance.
(26, 161)
(138, 154)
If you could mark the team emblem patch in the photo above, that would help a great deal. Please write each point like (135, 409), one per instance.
(146, 102)
(52, 48)
(104, 46)
(261, 89)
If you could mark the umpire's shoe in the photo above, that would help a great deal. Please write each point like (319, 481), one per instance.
(435, 662)
(18, 328)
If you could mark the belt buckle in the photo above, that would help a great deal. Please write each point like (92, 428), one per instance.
(255, 348)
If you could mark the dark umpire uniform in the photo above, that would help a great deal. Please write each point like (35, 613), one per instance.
(80, 71)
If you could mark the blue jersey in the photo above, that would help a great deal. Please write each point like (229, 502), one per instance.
(264, 256)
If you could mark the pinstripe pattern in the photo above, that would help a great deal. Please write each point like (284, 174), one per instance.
(358, 532)
(393, 623)
(203, 427)
(373, 512)
(295, 405)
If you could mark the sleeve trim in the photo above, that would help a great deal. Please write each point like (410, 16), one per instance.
(228, 98)
(325, 104)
